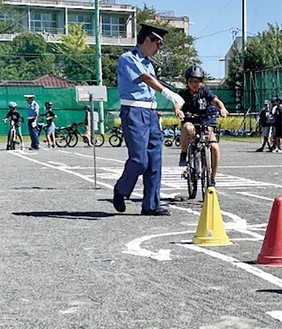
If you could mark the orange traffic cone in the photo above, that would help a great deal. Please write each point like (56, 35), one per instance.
(271, 250)
(211, 231)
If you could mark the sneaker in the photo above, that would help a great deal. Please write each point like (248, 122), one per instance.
(259, 150)
(118, 201)
(161, 211)
(183, 159)
(53, 146)
(22, 147)
(48, 146)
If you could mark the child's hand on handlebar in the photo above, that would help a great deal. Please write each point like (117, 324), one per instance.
(224, 112)
(179, 113)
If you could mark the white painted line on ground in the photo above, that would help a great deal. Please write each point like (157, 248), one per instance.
(276, 315)
(134, 247)
(246, 267)
(255, 196)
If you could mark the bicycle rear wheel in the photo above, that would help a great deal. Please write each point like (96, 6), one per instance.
(61, 137)
(72, 139)
(115, 141)
(205, 171)
(191, 174)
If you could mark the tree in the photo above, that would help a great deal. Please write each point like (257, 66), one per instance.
(265, 50)
(25, 58)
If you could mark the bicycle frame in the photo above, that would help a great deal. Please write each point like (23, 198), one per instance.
(199, 163)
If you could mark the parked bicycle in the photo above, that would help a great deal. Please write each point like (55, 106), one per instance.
(171, 134)
(61, 133)
(116, 137)
(199, 161)
(74, 133)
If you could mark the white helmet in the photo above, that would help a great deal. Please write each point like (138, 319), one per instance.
(12, 104)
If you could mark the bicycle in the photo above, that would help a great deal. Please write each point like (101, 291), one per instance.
(12, 136)
(199, 161)
(116, 138)
(73, 133)
(171, 135)
(61, 134)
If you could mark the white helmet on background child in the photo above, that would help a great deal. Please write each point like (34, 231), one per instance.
(12, 105)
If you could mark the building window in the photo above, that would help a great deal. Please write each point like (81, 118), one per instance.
(79, 18)
(43, 22)
(113, 26)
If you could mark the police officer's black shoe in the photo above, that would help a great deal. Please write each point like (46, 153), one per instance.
(161, 211)
(118, 201)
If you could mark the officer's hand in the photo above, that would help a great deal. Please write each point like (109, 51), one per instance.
(5, 120)
(33, 124)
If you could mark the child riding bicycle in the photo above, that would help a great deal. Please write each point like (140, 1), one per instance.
(17, 118)
(197, 100)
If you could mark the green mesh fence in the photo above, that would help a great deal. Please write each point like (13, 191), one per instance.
(261, 85)
(69, 110)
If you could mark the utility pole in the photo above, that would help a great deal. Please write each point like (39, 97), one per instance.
(244, 30)
(244, 41)
(99, 64)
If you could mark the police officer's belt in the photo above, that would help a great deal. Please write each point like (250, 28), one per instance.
(147, 105)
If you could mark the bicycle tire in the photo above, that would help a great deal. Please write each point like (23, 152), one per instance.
(168, 142)
(177, 141)
(205, 171)
(12, 141)
(72, 139)
(191, 174)
(61, 137)
(115, 141)
(99, 139)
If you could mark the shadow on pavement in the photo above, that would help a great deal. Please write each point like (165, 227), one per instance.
(84, 215)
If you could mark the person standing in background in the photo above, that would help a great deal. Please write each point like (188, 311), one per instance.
(32, 116)
(50, 116)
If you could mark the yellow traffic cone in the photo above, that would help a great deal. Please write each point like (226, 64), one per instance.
(210, 230)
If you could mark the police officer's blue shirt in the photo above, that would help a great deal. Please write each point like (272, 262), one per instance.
(33, 109)
(131, 66)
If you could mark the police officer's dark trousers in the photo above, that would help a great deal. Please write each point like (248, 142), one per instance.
(143, 139)
(33, 133)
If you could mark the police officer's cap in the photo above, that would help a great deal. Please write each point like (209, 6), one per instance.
(29, 96)
(153, 31)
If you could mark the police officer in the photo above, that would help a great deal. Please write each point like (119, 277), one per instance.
(137, 84)
(32, 115)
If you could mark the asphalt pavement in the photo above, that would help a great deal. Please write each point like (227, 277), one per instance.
(69, 260)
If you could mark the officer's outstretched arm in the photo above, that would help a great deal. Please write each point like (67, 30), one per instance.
(155, 84)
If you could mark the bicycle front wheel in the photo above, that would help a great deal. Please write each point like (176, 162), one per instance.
(61, 137)
(72, 139)
(205, 171)
(115, 141)
(12, 139)
(191, 174)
